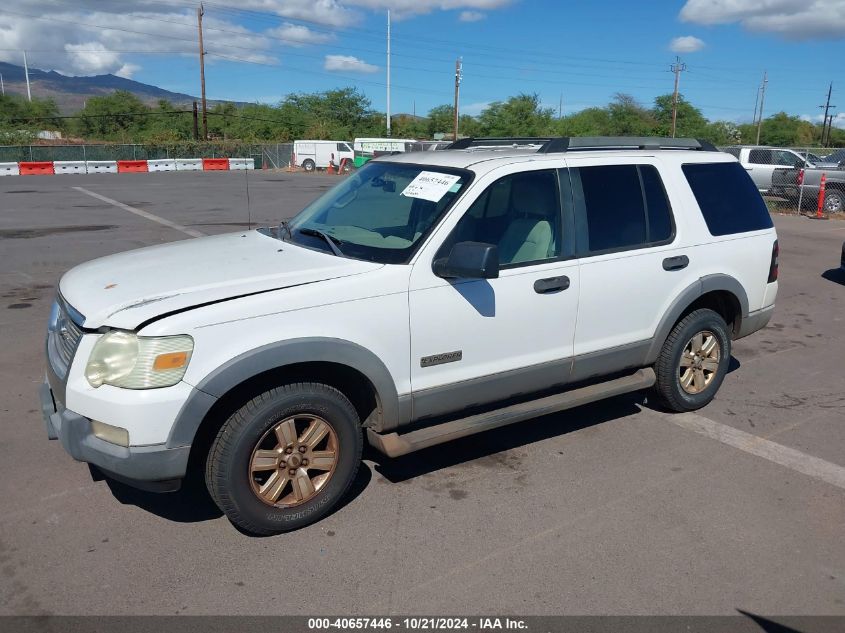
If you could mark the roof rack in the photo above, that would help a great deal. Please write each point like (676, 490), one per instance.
(553, 145)
(498, 141)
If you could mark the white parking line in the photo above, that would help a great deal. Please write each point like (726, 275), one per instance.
(143, 214)
(772, 451)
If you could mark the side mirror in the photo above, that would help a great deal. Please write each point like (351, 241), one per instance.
(469, 260)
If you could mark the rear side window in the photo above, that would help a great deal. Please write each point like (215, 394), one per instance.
(625, 207)
(760, 156)
(727, 197)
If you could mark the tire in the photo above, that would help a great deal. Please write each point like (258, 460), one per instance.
(834, 201)
(682, 342)
(257, 467)
(308, 165)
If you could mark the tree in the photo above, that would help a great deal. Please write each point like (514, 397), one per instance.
(521, 115)
(22, 118)
(441, 120)
(628, 118)
(689, 123)
(119, 116)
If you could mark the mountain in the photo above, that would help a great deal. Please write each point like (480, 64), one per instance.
(70, 93)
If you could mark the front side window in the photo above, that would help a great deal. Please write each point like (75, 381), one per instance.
(381, 212)
(520, 214)
(788, 159)
(625, 207)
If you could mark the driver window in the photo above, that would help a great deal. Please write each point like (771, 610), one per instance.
(520, 214)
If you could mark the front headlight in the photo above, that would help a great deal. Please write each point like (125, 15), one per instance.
(124, 359)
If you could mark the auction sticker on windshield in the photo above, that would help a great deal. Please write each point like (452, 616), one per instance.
(430, 185)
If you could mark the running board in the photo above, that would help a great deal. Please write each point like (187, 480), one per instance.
(394, 444)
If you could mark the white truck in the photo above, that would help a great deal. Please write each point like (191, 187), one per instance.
(311, 155)
(761, 162)
(427, 297)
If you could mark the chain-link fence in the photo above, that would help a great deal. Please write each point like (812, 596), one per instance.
(267, 156)
(796, 180)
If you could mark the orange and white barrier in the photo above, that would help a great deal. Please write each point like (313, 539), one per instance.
(34, 168)
(69, 167)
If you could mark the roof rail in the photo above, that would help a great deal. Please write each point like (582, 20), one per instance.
(583, 143)
(553, 145)
(498, 141)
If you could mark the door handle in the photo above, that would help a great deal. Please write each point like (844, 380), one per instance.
(551, 284)
(676, 263)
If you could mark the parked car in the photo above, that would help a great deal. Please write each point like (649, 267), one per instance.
(814, 160)
(805, 184)
(368, 148)
(414, 303)
(311, 155)
(760, 162)
(836, 158)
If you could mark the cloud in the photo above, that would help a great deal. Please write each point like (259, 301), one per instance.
(686, 44)
(347, 63)
(298, 35)
(838, 119)
(790, 19)
(402, 9)
(471, 16)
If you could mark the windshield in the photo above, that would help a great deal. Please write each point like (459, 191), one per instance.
(836, 156)
(381, 212)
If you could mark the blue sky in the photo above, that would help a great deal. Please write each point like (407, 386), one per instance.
(260, 50)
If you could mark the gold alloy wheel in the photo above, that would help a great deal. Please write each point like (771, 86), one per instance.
(293, 461)
(699, 362)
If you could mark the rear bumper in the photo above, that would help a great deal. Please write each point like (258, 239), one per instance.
(154, 467)
(756, 320)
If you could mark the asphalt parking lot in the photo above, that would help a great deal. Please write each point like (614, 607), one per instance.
(611, 508)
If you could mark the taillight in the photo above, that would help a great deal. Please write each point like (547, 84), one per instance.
(799, 179)
(773, 267)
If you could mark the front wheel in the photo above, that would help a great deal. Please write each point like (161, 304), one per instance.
(308, 165)
(694, 361)
(285, 458)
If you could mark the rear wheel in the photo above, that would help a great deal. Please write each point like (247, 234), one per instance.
(308, 165)
(834, 201)
(285, 458)
(694, 361)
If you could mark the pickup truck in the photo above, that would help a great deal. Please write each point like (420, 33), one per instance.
(787, 183)
(761, 162)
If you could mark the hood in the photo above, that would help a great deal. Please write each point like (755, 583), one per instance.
(127, 289)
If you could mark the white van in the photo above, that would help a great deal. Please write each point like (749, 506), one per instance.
(311, 155)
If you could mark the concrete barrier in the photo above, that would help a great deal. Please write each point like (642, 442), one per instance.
(102, 166)
(9, 169)
(241, 163)
(37, 168)
(215, 164)
(189, 164)
(69, 167)
(161, 164)
(131, 166)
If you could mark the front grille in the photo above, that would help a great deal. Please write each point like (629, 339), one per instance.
(63, 334)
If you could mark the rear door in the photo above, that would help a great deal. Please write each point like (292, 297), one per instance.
(631, 264)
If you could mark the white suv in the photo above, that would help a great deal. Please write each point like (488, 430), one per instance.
(426, 297)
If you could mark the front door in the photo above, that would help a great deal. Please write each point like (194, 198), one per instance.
(478, 341)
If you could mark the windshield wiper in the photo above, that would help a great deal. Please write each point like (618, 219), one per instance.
(332, 242)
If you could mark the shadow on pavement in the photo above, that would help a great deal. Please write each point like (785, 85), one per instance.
(836, 275)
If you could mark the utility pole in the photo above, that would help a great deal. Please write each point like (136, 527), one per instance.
(678, 67)
(196, 125)
(458, 77)
(826, 107)
(762, 101)
(560, 107)
(200, 13)
(756, 104)
(2, 86)
(26, 72)
(388, 73)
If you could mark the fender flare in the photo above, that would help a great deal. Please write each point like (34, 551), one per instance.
(691, 293)
(278, 355)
